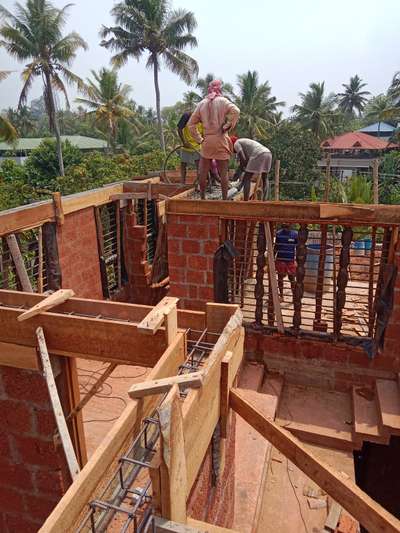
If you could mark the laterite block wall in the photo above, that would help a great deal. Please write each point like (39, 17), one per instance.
(192, 243)
(33, 474)
(79, 256)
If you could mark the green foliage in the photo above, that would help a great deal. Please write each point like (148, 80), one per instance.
(298, 151)
(41, 167)
(353, 98)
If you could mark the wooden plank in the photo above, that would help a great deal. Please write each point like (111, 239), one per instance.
(155, 319)
(333, 211)
(57, 409)
(171, 324)
(194, 380)
(113, 341)
(225, 387)
(57, 298)
(18, 356)
(173, 460)
(40, 260)
(273, 279)
(284, 211)
(155, 477)
(333, 517)
(209, 528)
(12, 244)
(217, 316)
(58, 208)
(101, 308)
(201, 409)
(70, 507)
(34, 215)
(339, 486)
(366, 424)
(388, 401)
(163, 525)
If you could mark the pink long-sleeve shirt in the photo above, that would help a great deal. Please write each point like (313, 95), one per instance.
(213, 114)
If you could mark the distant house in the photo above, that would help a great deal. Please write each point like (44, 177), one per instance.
(19, 151)
(353, 152)
(383, 130)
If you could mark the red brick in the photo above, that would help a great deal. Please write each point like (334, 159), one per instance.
(36, 452)
(210, 247)
(45, 422)
(190, 247)
(197, 262)
(187, 219)
(193, 292)
(40, 508)
(27, 384)
(177, 230)
(49, 482)
(178, 290)
(206, 294)
(174, 246)
(175, 260)
(10, 500)
(198, 232)
(21, 524)
(213, 230)
(4, 446)
(16, 416)
(196, 276)
(210, 278)
(177, 275)
(16, 476)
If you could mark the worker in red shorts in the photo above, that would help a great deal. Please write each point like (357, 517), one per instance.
(285, 256)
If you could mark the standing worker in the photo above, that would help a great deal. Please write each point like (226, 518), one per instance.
(190, 151)
(218, 115)
(254, 158)
(286, 241)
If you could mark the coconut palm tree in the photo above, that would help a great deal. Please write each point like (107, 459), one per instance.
(257, 106)
(22, 120)
(316, 111)
(353, 98)
(7, 131)
(107, 101)
(379, 109)
(394, 89)
(151, 26)
(34, 34)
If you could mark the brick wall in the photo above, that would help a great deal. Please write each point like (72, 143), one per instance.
(138, 269)
(192, 243)
(215, 504)
(79, 256)
(33, 474)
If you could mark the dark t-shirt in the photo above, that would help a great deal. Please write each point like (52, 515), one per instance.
(183, 121)
(285, 245)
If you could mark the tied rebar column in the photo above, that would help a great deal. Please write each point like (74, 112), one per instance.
(259, 287)
(301, 256)
(371, 311)
(342, 279)
(271, 309)
(321, 275)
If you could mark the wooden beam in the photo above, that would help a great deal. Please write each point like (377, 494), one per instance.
(18, 356)
(173, 461)
(339, 486)
(58, 208)
(155, 319)
(107, 340)
(104, 309)
(193, 380)
(225, 387)
(309, 212)
(34, 215)
(273, 279)
(56, 404)
(23, 277)
(332, 211)
(57, 298)
(68, 511)
(193, 526)
(40, 261)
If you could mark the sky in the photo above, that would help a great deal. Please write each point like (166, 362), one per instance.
(289, 42)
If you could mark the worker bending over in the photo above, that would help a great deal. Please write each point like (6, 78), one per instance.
(254, 158)
(218, 116)
(190, 151)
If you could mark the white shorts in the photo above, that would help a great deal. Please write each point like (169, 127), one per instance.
(260, 164)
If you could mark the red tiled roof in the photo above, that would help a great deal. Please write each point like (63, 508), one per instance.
(356, 140)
